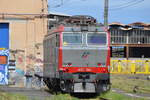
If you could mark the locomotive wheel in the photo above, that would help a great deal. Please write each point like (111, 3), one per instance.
(62, 85)
(65, 86)
(102, 87)
(56, 86)
(52, 84)
(48, 84)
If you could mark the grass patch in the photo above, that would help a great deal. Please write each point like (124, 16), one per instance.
(9, 96)
(109, 95)
(62, 97)
(128, 82)
(116, 96)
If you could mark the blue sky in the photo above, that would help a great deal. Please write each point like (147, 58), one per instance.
(124, 11)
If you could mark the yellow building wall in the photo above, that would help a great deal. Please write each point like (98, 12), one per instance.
(27, 27)
(23, 6)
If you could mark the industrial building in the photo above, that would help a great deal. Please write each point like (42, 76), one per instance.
(23, 24)
(26, 23)
(130, 41)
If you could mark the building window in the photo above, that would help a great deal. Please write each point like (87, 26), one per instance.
(118, 52)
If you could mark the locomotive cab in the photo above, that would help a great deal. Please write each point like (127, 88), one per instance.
(85, 61)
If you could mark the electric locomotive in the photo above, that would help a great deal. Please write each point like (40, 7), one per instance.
(77, 56)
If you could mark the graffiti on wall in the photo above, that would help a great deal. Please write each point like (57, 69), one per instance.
(4, 67)
(30, 63)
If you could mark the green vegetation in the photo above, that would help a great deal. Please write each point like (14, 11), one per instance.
(110, 96)
(8, 96)
(116, 96)
(129, 82)
(63, 97)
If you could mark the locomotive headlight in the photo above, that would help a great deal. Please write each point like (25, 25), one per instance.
(104, 70)
(99, 64)
(67, 64)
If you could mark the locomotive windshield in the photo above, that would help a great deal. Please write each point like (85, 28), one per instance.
(96, 39)
(72, 39)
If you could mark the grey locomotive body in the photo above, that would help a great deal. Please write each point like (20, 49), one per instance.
(77, 59)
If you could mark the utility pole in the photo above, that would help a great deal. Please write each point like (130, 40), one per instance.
(106, 3)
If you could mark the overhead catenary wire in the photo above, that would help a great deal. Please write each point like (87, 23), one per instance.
(111, 8)
(62, 2)
(127, 5)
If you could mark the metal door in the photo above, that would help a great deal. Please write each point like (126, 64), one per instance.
(4, 53)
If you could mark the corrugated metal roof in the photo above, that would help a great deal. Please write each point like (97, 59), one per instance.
(117, 23)
(58, 14)
(137, 25)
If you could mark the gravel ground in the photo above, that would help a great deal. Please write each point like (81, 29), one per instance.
(32, 94)
(138, 95)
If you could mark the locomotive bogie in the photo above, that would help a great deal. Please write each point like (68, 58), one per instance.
(86, 82)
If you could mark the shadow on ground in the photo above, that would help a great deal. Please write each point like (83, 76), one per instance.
(84, 95)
